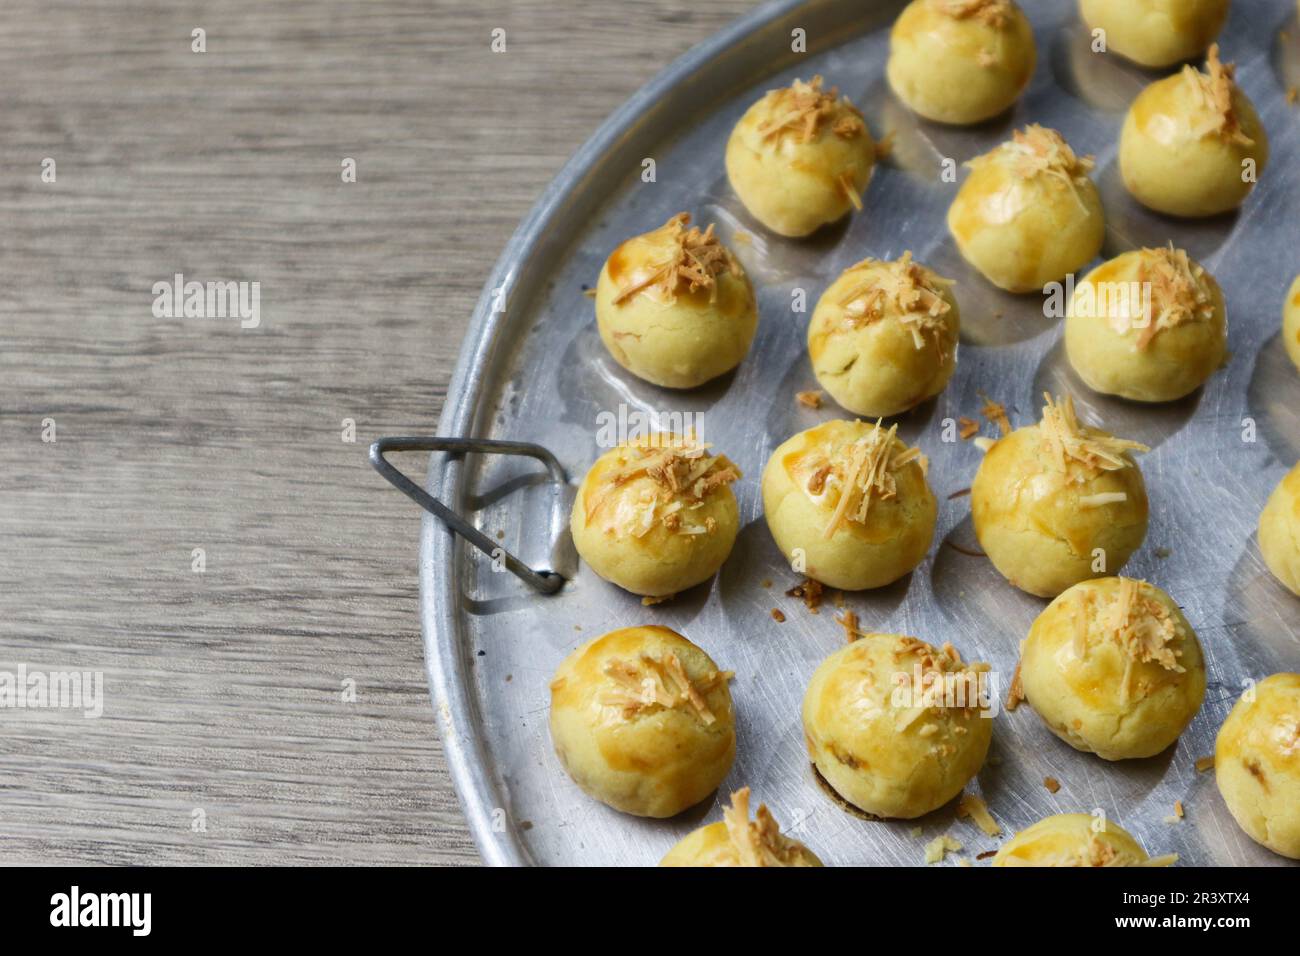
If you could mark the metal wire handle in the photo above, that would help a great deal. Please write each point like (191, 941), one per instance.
(543, 580)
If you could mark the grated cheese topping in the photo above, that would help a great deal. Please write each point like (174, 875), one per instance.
(682, 477)
(1080, 450)
(993, 13)
(862, 470)
(1144, 629)
(904, 290)
(758, 842)
(695, 260)
(802, 109)
(1212, 92)
(1179, 294)
(659, 683)
(1037, 151)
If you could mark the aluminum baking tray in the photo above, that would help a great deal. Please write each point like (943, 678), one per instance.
(532, 368)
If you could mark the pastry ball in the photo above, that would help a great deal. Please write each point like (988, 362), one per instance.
(1028, 214)
(1291, 323)
(1279, 531)
(883, 337)
(1257, 764)
(1185, 140)
(656, 516)
(1075, 839)
(1049, 497)
(1113, 668)
(1149, 325)
(848, 504)
(740, 841)
(800, 158)
(641, 718)
(1156, 33)
(960, 61)
(886, 746)
(674, 306)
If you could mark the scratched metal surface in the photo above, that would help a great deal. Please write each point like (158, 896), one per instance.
(538, 372)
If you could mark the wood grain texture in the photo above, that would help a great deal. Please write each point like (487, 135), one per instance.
(223, 689)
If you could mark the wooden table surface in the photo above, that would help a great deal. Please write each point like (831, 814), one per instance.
(228, 734)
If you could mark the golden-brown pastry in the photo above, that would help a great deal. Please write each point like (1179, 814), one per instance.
(1257, 763)
(1059, 502)
(1149, 325)
(1279, 531)
(1156, 33)
(1192, 144)
(641, 719)
(885, 744)
(1291, 322)
(739, 841)
(848, 504)
(1113, 668)
(657, 515)
(675, 307)
(883, 337)
(1076, 839)
(800, 158)
(960, 61)
(1028, 214)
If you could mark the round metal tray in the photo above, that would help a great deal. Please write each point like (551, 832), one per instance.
(532, 369)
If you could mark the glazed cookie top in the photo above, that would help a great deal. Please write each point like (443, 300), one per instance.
(804, 113)
(990, 13)
(870, 696)
(1037, 153)
(1115, 627)
(1211, 101)
(672, 261)
(845, 467)
(795, 120)
(1181, 292)
(662, 483)
(1072, 840)
(638, 672)
(1267, 727)
(902, 291)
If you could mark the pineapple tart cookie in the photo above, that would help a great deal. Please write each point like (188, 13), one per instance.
(1059, 502)
(960, 61)
(1257, 763)
(740, 841)
(674, 306)
(1076, 839)
(1028, 213)
(800, 158)
(1291, 322)
(1149, 325)
(889, 748)
(849, 505)
(641, 719)
(1156, 33)
(1192, 144)
(656, 516)
(1279, 531)
(883, 337)
(1113, 668)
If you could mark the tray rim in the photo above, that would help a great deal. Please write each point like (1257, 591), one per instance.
(446, 666)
